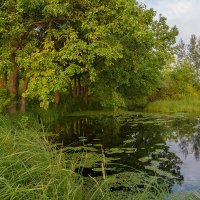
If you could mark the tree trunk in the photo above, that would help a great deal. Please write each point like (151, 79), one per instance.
(3, 81)
(70, 90)
(23, 99)
(57, 99)
(13, 86)
(85, 95)
(82, 91)
(79, 87)
(75, 87)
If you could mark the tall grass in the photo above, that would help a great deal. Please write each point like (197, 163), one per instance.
(31, 169)
(186, 104)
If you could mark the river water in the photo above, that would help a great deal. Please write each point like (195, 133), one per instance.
(154, 143)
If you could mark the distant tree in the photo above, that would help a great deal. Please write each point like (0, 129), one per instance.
(190, 53)
(181, 52)
(194, 54)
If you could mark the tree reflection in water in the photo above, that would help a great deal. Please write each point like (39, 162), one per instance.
(149, 134)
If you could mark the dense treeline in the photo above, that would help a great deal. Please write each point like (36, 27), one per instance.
(113, 51)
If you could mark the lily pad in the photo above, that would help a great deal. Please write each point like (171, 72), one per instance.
(82, 137)
(97, 145)
(79, 148)
(160, 144)
(163, 159)
(130, 151)
(83, 140)
(155, 162)
(144, 159)
(157, 151)
(115, 150)
(128, 141)
(160, 172)
(90, 149)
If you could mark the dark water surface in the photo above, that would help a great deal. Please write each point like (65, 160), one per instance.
(153, 143)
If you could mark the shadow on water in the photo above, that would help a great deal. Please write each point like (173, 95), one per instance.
(164, 145)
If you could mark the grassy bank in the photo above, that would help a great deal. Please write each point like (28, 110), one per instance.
(30, 168)
(186, 104)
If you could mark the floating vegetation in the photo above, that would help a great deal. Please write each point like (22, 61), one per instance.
(130, 151)
(82, 137)
(115, 151)
(158, 151)
(83, 140)
(145, 159)
(128, 141)
(90, 159)
(152, 135)
(100, 169)
(97, 145)
(133, 125)
(78, 148)
(160, 144)
(160, 172)
(90, 149)
(155, 162)
(163, 159)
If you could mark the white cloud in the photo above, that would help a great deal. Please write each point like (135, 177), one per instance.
(185, 14)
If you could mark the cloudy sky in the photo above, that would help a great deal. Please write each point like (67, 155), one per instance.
(185, 14)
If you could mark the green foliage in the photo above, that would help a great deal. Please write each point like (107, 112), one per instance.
(114, 45)
(179, 82)
(4, 100)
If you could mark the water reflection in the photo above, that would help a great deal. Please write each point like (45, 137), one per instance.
(167, 142)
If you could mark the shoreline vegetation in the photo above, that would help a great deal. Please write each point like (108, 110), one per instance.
(190, 104)
(33, 168)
